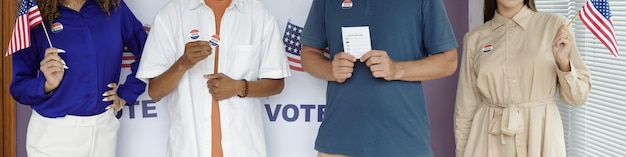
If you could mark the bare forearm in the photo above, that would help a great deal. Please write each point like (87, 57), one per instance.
(264, 87)
(314, 63)
(165, 83)
(432, 67)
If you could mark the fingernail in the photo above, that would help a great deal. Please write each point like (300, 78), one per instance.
(62, 61)
(104, 94)
(109, 85)
(65, 67)
(60, 51)
(105, 99)
(108, 107)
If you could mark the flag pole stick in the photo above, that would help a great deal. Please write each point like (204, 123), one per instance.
(43, 23)
(568, 24)
(572, 20)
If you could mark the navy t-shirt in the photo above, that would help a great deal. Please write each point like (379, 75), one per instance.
(366, 116)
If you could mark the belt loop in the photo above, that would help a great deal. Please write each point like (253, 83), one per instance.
(74, 122)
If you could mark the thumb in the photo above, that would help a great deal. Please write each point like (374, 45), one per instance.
(211, 76)
(221, 75)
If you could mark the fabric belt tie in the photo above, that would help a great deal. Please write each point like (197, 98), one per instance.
(509, 121)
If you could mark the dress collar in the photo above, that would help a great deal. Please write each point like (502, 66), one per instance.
(521, 19)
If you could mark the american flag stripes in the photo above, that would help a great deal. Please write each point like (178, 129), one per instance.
(596, 16)
(127, 59)
(28, 17)
(293, 46)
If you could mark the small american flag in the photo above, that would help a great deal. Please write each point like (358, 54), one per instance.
(596, 16)
(293, 46)
(28, 17)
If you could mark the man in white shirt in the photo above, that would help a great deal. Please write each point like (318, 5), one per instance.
(179, 63)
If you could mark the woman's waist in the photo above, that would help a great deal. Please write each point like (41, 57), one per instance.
(62, 107)
(525, 103)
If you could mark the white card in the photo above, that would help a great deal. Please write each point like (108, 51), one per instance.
(356, 40)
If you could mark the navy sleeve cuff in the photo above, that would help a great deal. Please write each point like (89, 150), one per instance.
(41, 93)
(310, 42)
(444, 46)
(128, 96)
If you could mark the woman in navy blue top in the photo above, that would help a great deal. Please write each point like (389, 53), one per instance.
(72, 86)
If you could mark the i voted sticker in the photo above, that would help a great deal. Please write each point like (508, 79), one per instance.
(194, 34)
(215, 40)
(57, 27)
(347, 4)
(487, 48)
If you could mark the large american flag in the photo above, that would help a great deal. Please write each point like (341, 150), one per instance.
(28, 17)
(596, 16)
(293, 46)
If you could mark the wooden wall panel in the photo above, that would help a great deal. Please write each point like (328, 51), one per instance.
(7, 114)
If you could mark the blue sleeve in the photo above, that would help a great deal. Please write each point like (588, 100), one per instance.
(27, 86)
(314, 33)
(134, 39)
(438, 34)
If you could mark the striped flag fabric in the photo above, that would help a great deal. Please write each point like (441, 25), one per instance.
(293, 46)
(127, 59)
(596, 16)
(27, 18)
(291, 39)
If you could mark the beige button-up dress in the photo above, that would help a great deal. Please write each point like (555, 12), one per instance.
(506, 98)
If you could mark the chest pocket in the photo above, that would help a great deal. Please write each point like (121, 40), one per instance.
(246, 62)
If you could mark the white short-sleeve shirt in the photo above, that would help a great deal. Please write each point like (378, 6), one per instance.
(250, 48)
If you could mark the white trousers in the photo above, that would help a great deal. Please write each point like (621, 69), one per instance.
(72, 136)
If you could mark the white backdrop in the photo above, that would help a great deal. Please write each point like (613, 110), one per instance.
(291, 118)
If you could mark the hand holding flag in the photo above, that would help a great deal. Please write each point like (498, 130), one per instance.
(562, 47)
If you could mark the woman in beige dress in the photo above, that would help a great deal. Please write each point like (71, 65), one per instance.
(512, 68)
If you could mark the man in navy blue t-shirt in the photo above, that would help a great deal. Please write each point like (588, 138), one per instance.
(375, 102)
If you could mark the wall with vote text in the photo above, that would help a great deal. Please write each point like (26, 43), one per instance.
(292, 117)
